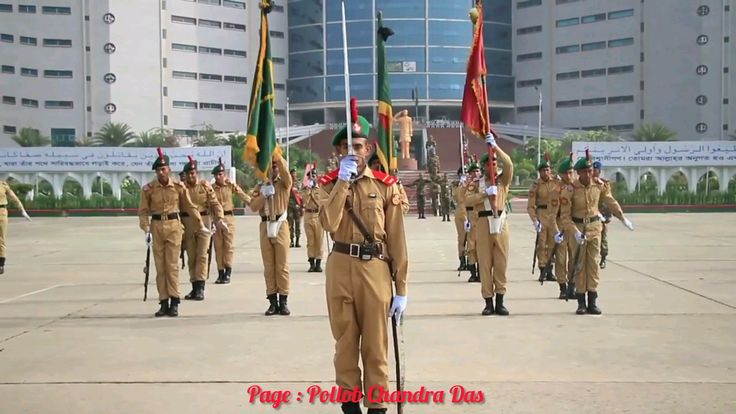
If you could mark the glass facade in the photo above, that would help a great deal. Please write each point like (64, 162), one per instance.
(428, 52)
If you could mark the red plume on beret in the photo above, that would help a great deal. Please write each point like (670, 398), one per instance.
(547, 156)
(160, 153)
(571, 155)
(220, 161)
(354, 114)
(191, 159)
(587, 154)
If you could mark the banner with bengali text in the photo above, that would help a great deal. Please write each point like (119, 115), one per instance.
(660, 154)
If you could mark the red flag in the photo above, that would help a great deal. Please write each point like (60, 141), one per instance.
(474, 112)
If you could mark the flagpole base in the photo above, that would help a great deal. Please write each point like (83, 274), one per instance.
(409, 164)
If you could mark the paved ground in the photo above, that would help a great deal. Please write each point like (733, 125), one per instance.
(75, 336)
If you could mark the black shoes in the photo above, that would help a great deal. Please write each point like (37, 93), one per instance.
(563, 291)
(474, 278)
(602, 264)
(500, 309)
(592, 308)
(220, 276)
(164, 310)
(351, 408)
(274, 305)
(283, 307)
(581, 304)
(311, 265)
(488, 310)
(463, 264)
(197, 292)
(318, 265)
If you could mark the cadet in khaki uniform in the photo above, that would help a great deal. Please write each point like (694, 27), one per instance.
(295, 211)
(471, 221)
(605, 213)
(197, 244)
(271, 201)
(544, 217)
(580, 216)
(224, 241)
(163, 199)
(311, 197)
(7, 193)
(445, 198)
(359, 268)
(375, 164)
(493, 249)
(566, 247)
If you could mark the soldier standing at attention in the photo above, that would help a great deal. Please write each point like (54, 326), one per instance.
(460, 216)
(363, 214)
(580, 216)
(471, 222)
(445, 198)
(420, 183)
(311, 195)
(493, 249)
(605, 213)
(566, 248)
(543, 216)
(7, 193)
(196, 244)
(163, 199)
(295, 211)
(271, 201)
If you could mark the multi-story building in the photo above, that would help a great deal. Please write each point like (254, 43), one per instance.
(70, 66)
(427, 57)
(618, 63)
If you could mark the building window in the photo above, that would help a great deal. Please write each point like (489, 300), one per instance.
(9, 100)
(528, 3)
(567, 104)
(701, 100)
(701, 127)
(29, 41)
(237, 53)
(620, 14)
(593, 101)
(276, 34)
(236, 79)
(621, 127)
(726, 39)
(26, 8)
(57, 74)
(278, 60)
(568, 75)
(56, 10)
(627, 41)
(210, 77)
(234, 4)
(212, 2)
(184, 75)
(615, 70)
(586, 47)
(31, 103)
(568, 49)
(620, 99)
(211, 106)
(703, 11)
(593, 18)
(593, 72)
(57, 43)
(183, 48)
(210, 50)
(528, 56)
(568, 22)
(59, 104)
(183, 19)
(528, 30)
(184, 104)
(6, 8)
(9, 129)
(528, 83)
(238, 108)
(210, 23)
(233, 26)
(8, 38)
(525, 109)
(29, 72)
(7, 69)
(565, 1)
(280, 9)
(701, 70)
(725, 127)
(279, 86)
(280, 112)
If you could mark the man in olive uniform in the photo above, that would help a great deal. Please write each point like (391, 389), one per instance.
(420, 183)
(363, 214)
(198, 245)
(471, 221)
(271, 201)
(460, 216)
(7, 193)
(163, 199)
(224, 241)
(311, 196)
(544, 217)
(295, 211)
(581, 217)
(567, 245)
(445, 198)
(605, 213)
(493, 249)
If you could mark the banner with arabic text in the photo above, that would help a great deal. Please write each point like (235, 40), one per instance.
(660, 154)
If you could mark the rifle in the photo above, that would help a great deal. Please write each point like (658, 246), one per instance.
(145, 271)
(181, 256)
(549, 262)
(534, 258)
(209, 254)
(575, 267)
(398, 339)
(465, 252)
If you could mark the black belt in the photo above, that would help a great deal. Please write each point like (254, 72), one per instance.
(489, 213)
(542, 206)
(365, 251)
(201, 213)
(265, 218)
(468, 208)
(312, 210)
(3, 205)
(585, 220)
(170, 216)
(228, 213)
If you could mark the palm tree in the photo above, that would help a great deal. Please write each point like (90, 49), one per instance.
(654, 132)
(114, 134)
(29, 137)
(237, 143)
(208, 138)
(150, 139)
(85, 142)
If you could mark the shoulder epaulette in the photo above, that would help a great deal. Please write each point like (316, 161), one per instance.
(384, 178)
(329, 177)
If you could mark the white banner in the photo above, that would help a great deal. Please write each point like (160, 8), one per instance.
(660, 154)
(117, 159)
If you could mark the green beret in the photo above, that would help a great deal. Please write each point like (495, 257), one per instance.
(220, 167)
(542, 165)
(191, 165)
(473, 167)
(582, 164)
(565, 166)
(161, 161)
(362, 130)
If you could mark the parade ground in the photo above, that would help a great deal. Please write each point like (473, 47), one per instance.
(76, 336)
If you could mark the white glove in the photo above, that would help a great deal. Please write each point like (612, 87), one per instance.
(398, 306)
(629, 225)
(223, 226)
(467, 225)
(463, 179)
(310, 184)
(23, 212)
(204, 231)
(491, 140)
(558, 237)
(537, 226)
(491, 190)
(149, 239)
(268, 190)
(213, 229)
(348, 168)
(579, 237)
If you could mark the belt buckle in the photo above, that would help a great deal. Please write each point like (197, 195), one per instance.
(586, 220)
(354, 250)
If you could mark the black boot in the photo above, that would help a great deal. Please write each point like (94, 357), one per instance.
(199, 295)
(563, 291)
(292, 243)
(474, 278)
(592, 308)
(318, 265)
(2, 265)
(570, 290)
(174, 307)
(164, 308)
(500, 309)
(542, 273)
(226, 275)
(297, 242)
(463, 264)
(220, 276)
(581, 303)
(311, 265)
(283, 308)
(602, 264)
(488, 310)
(377, 410)
(193, 293)
(351, 408)
(549, 276)
(274, 307)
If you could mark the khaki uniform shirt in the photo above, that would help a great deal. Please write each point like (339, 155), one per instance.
(157, 198)
(475, 195)
(542, 193)
(311, 197)
(581, 202)
(7, 193)
(203, 196)
(224, 194)
(280, 201)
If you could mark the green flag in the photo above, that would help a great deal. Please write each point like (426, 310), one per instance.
(385, 148)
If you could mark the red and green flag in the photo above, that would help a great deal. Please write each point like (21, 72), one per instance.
(385, 149)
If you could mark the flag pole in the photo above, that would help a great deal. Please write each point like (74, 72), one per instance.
(346, 71)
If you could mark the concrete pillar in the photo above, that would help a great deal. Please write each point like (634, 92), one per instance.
(692, 184)
(57, 183)
(115, 183)
(87, 183)
(632, 178)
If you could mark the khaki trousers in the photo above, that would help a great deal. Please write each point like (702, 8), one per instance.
(461, 238)
(546, 242)
(166, 248)
(275, 254)
(3, 232)
(315, 235)
(564, 257)
(196, 246)
(586, 279)
(493, 253)
(225, 244)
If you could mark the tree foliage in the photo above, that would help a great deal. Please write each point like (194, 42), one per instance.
(654, 131)
(29, 137)
(114, 134)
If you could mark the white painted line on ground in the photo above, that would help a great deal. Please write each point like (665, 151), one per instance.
(30, 293)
